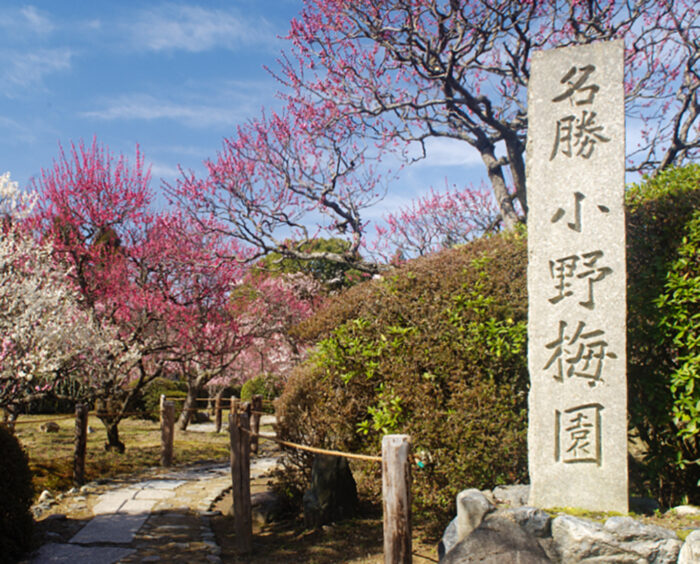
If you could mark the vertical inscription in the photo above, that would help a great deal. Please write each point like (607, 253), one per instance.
(576, 278)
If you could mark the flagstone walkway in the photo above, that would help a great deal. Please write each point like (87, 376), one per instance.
(165, 518)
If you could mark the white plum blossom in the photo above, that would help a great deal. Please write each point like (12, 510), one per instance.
(44, 333)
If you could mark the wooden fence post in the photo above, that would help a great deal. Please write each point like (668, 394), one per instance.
(396, 492)
(239, 423)
(81, 423)
(217, 413)
(167, 431)
(255, 422)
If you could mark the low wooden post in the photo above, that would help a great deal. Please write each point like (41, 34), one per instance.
(396, 492)
(217, 413)
(167, 431)
(81, 424)
(239, 423)
(255, 422)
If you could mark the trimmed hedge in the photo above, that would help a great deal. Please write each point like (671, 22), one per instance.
(663, 323)
(268, 386)
(437, 350)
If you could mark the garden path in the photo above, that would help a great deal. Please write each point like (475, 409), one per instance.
(161, 516)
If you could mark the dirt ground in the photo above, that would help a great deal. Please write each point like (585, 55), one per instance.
(353, 541)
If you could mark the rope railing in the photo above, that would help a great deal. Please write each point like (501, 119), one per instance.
(315, 450)
(396, 484)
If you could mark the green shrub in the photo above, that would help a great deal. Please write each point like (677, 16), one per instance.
(662, 325)
(435, 350)
(16, 495)
(266, 385)
(149, 405)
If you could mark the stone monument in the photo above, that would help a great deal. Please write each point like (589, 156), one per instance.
(577, 435)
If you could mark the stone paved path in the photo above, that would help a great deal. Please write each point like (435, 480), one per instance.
(161, 519)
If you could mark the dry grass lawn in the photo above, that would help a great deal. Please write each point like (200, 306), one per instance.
(51, 454)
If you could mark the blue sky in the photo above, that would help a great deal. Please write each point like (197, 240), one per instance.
(174, 77)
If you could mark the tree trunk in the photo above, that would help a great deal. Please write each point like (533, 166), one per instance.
(498, 184)
(113, 442)
(189, 408)
(107, 413)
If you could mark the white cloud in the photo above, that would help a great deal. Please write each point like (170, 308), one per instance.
(197, 29)
(37, 21)
(147, 107)
(443, 151)
(164, 171)
(25, 69)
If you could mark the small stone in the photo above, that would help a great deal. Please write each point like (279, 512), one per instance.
(515, 495)
(472, 506)
(46, 496)
(628, 529)
(533, 521)
(686, 510)
(690, 552)
(49, 427)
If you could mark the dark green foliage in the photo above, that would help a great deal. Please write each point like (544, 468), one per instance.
(662, 324)
(268, 386)
(331, 274)
(15, 499)
(437, 350)
(149, 403)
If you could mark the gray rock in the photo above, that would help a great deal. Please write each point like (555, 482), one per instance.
(629, 529)
(265, 506)
(533, 521)
(49, 427)
(686, 510)
(580, 540)
(46, 497)
(449, 539)
(333, 492)
(690, 553)
(656, 544)
(496, 541)
(472, 507)
(515, 495)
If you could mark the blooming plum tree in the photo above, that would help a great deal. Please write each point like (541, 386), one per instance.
(135, 270)
(46, 336)
(436, 221)
(407, 70)
(279, 175)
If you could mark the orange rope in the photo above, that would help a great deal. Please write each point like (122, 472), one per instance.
(314, 449)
